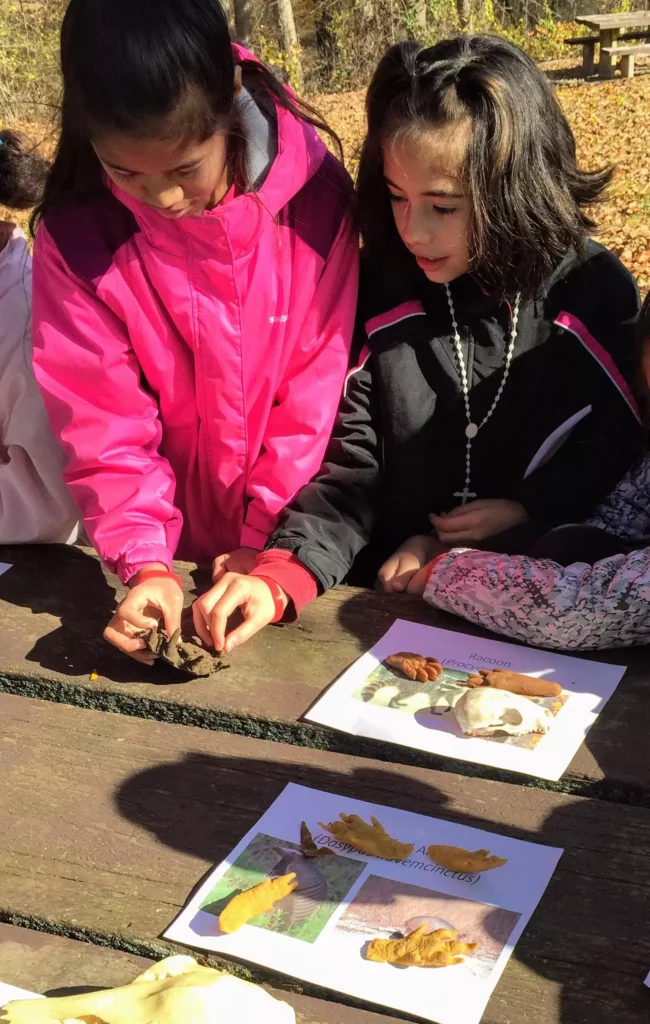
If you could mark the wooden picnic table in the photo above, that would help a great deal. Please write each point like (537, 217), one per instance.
(609, 27)
(119, 793)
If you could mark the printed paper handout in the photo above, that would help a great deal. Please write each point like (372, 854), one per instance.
(478, 700)
(9, 992)
(427, 935)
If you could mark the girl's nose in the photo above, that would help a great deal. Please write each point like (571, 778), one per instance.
(415, 228)
(164, 197)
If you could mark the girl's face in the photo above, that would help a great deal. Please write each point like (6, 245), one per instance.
(177, 178)
(431, 211)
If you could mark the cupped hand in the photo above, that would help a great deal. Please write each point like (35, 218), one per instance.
(212, 610)
(397, 572)
(241, 560)
(478, 520)
(144, 607)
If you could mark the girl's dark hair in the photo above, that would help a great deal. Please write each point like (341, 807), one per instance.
(154, 68)
(22, 172)
(526, 191)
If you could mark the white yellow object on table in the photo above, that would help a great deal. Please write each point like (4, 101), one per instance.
(175, 991)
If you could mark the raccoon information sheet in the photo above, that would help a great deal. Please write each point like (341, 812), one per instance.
(358, 923)
(460, 696)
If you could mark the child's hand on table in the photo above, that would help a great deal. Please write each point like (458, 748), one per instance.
(144, 607)
(478, 520)
(242, 560)
(251, 594)
(396, 573)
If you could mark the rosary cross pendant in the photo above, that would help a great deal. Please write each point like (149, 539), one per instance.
(464, 495)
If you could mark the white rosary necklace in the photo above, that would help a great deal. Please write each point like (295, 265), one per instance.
(472, 429)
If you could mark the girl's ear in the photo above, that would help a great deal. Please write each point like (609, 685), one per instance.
(237, 78)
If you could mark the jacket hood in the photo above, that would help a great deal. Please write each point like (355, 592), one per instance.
(298, 154)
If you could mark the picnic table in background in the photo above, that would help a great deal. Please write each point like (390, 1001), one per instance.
(122, 785)
(610, 31)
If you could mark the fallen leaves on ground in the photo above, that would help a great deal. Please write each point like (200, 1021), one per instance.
(610, 121)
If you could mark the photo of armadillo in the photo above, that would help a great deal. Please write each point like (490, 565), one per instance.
(312, 885)
(485, 711)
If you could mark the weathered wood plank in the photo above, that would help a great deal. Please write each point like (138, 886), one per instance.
(55, 603)
(53, 965)
(107, 822)
(621, 20)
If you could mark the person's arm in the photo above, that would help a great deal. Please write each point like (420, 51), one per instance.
(106, 421)
(35, 506)
(331, 518)
(301, 420)
(580, 607)
(625, 513)
(319, 533)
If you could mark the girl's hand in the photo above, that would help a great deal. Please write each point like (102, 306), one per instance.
(397, 572)
(477, 520)
(242, 560)
(212, 610)
(144, 606)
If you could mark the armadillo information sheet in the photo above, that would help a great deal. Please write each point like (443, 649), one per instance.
(457, 900)
(460, 696)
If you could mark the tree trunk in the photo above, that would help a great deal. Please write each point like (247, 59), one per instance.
(420, 12)
(464, 8)
(243, 21)
(290, 43)
(228, 10)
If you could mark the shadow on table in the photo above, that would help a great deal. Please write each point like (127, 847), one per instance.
(597, 905)
(69, 584)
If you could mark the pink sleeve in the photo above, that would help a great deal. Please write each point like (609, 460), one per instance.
(301, 421)
(106, 422)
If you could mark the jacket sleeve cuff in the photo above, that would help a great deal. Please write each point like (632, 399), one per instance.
(128, 565)
(252, 538)
(436, 570)
(288, 572)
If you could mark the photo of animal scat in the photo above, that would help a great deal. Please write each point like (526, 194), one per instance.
(323, 883)
(462, 704)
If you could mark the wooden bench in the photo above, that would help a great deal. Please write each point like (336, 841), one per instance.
(627, 55)
(589, 44)
(55, 603)
(108, 822)
(52, 965)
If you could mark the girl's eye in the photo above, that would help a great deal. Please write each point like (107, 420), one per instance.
(396, 199)
(124, 175)
(189, 173)
(445, 211)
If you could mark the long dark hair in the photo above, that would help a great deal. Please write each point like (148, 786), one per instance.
(156, 69)
(526, 191)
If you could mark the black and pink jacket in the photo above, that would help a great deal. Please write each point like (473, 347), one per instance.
(564, 432)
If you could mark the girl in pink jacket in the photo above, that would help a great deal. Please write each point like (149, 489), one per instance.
(195, 277)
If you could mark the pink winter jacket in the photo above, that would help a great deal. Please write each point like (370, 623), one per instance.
(192, 368)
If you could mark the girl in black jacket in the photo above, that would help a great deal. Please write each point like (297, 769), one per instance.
(491, 393)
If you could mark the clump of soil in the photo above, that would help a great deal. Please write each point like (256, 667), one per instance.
(189, 656)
